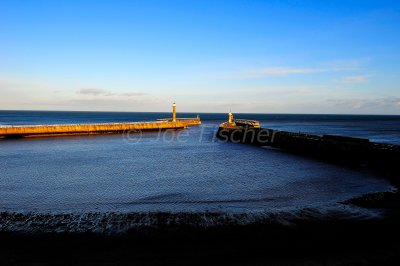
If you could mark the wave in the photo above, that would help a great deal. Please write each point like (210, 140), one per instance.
(117, 223)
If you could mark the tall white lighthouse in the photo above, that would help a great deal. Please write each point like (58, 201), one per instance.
(174, 112)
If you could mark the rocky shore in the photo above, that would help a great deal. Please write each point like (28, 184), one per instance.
(114, 223)
(390, 201)
(303, 238)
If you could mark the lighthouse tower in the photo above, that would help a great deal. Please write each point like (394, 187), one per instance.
(230, 118)
(174, 112)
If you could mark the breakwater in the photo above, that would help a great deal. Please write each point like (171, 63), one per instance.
(89, 129)
(349, 150)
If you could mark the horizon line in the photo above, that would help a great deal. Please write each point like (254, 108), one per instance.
(91, 111)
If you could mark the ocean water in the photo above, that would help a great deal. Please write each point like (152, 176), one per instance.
(184, 170)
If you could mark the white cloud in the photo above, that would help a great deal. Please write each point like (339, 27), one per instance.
(101, 92)
(131, 94)
(372, 105)
(277, 71)
(92, 91)
(285, 71)
(354, 79)
(346, 65)
(280, 71)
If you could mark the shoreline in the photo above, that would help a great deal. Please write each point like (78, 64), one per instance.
(373, 206)
(312, 241)
(207, 238)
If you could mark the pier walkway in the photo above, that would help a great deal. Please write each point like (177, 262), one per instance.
(20, 131)
(88, 129)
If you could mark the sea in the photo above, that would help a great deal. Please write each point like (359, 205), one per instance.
(185, 170)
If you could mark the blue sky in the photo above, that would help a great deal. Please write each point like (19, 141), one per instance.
(208, 56)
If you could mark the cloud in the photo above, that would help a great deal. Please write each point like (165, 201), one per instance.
(354, 79)
(286, 71)
(281, 71)
(392, 103)
(101, 92)
(78, 103)
(92, 91)
(346, 65)
(130, 94)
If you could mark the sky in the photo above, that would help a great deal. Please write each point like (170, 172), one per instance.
(339, 57)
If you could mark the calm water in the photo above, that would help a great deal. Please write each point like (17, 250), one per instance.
(187, 170)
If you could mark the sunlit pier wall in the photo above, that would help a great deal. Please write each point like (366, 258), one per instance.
(82, 129)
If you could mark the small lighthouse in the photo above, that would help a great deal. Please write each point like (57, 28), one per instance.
(230, 118)
(174, 112)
